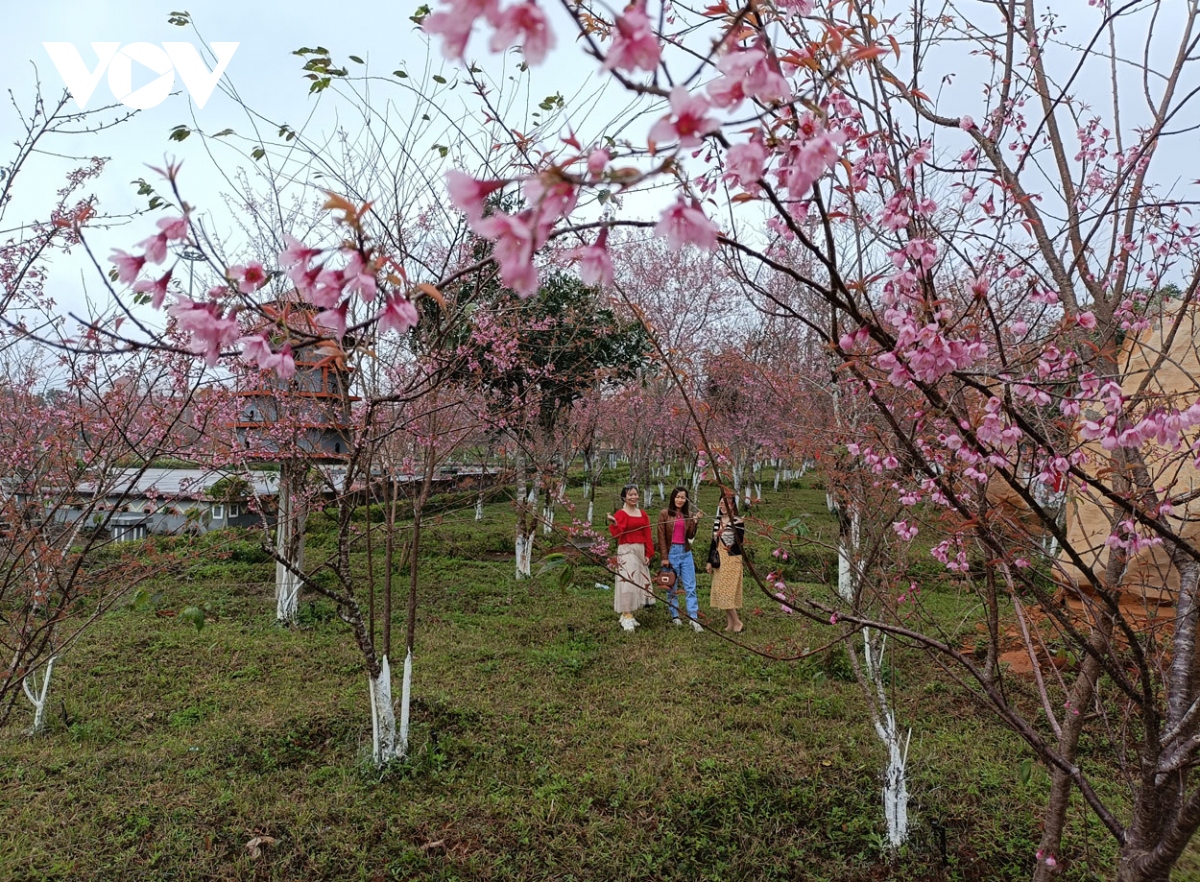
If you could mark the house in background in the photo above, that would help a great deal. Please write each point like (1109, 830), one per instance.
(176, 500)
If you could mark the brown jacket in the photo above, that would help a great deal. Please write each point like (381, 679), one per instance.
(666, 526)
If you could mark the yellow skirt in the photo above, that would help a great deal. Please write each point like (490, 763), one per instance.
(727, 581)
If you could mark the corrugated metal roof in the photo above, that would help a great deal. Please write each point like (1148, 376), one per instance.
(182, 483)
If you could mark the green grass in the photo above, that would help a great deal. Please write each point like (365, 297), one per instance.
(547, 744)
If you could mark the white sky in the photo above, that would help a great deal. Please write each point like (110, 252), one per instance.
(263, 70)
(269, 79)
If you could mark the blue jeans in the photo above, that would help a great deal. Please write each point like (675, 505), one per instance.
(685, 571)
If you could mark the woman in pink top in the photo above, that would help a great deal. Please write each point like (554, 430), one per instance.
(676, 530)
(635, 547)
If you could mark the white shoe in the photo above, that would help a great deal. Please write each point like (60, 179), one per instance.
(677, 622)
(636, 623)
(629, 624)
(696, 626)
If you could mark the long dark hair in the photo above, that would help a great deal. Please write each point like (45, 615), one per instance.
(671, 510)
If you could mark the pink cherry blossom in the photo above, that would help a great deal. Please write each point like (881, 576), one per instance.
(514, 250)
(210, 329)
(255, 348)
(257, 351)
(683, 224)
(468, 194)
(322, 287)
(597, 161)
(334, 319)
(595, 265)
(296, 254)
(523, 24)
(358, 278)
(744, 164)
(634, 45)
(249, 278)
(398, 314)
(454, 24)
(175, 229)
(687, 122)
(747, 74)
(156, 248)
(128, 265)
(157, 289)
(806, 159)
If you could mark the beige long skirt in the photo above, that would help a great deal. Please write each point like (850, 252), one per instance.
(727, 581)
(633, 579)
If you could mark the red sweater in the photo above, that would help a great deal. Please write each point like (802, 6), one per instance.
(632, 530)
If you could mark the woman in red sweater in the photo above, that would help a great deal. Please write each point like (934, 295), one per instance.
(635, 546)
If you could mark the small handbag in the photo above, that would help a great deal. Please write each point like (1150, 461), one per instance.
(665, 578)
(714, 556)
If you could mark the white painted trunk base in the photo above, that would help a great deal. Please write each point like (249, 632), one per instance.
(289, 545)
(383, 717)
(895, 785)
(405, 704)
(37, 688)
(479, 509)
(524, 555)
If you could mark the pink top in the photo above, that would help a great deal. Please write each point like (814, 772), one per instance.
(679, 535)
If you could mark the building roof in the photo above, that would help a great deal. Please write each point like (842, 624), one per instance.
(181, 483)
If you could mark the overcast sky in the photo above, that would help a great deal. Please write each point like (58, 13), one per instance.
(269, 79)
(265, 73)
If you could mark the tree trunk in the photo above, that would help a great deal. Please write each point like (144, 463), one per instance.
(405, 703)
(526, 499)
(37, 690)
(383, 716)
(289, 541)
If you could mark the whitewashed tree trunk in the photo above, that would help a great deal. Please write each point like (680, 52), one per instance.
(384, 744)
(697, 477)
(405, 703)
(895, 786)
(591, 508)
(289, 543)
(649, 500)
(776, 480)
(662, 494)
(526, 506)
(37, 688)
(524, 557)
(548, 521)
(847, 549)
(758, 491)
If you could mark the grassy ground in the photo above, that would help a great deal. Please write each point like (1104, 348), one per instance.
(547, 744)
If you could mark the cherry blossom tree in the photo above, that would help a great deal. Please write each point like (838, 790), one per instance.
(985, 246)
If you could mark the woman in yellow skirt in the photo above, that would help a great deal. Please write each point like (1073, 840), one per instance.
(725, 558)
